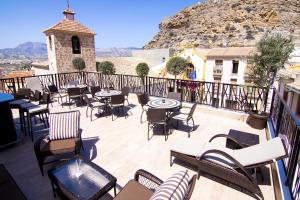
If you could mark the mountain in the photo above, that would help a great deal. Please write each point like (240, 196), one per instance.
(27, 50)
(217, 23)
(115, 52)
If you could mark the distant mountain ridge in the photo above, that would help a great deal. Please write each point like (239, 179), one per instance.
(27, 50)
(37, 50)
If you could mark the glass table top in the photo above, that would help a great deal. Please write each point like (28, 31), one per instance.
(82, 179)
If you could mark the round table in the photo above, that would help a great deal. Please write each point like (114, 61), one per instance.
(81, 86)
(8, 132)
(105, 93)
(164, 103)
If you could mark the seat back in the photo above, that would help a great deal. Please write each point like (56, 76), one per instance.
(174, 95)
(34, 83)
(23, 93)
(143, 98)
(64, 125)
(37, 95)
(191, 113)
(86, 100)
(73, 91)
(125, 91)
(156, 115)
(52, 88)
(95, 89)
(117, 99)
(45, 99)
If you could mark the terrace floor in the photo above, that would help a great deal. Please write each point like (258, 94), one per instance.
(121, 147)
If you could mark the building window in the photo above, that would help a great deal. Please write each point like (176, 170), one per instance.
(218, 68)
(233, 81)
(76, 45)
(50, 42)
(235, 66)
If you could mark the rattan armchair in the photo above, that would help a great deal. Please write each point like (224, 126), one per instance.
(44, 147)
(155, 117)
(143, 101)
(117, 101)
(125, 91)
(92, 105)
(144, 184)
(55, 93)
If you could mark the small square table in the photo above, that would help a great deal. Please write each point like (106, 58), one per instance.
(81, 179)
(244, 138)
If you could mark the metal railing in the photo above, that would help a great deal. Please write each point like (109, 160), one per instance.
(219, 95)
(287, 126)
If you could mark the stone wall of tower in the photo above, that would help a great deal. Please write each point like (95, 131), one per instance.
(64, 54)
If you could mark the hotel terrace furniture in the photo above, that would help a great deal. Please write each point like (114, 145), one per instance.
(57, 94)
(240, 138)
(92, 105)
(81, 179)
(32, 110)
(164, 103)
(107, 93)
(64, 137)
(117, 101)
(155, 117)
(175, 96)
(125, 91)
(74, 93)
(143, 101)
(230, 166)
(8, 132)
(146, 186)
(9, 190)
(23, 93)
(185, 117)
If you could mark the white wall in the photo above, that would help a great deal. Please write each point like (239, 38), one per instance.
(51, 54)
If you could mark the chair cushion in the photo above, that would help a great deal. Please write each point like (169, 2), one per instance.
(174, 188)
(63, 125)
(134, 191)
(60, 146)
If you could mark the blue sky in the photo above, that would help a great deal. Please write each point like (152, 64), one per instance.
(118, 23)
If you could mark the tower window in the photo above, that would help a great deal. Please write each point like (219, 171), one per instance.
(235, 66)
(50, 42)
(76, 45)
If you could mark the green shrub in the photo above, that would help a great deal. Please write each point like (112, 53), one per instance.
(176, 66)
(78, 63)
(106, 67)
(142, 69)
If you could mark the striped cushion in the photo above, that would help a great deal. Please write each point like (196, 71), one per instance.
(63, 125)
(174, 188)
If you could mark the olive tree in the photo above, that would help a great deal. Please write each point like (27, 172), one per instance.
(142, 70)
(106, 67)
(272, 52)
(78, 63)
(176, 66)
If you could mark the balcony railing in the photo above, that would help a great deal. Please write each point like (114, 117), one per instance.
(219, 95)
(287, 126)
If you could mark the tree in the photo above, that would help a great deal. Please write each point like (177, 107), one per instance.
(78, 63)
(142, 70)
(176, 66)
(273, 51)
(106, 67)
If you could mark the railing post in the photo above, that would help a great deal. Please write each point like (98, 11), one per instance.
(294, 159)
(218, 93)
(278, 123)
(14, 85)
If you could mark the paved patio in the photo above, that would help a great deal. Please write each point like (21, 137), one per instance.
(121, 147)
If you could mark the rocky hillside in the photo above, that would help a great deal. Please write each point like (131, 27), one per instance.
(218, 23)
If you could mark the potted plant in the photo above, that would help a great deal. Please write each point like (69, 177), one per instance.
(176, 66)
(78, 64)
(106, 68)
(142, 70)
(272, 52)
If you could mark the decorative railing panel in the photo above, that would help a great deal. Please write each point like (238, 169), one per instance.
(135, 83)
(160, 86)
(287, 127)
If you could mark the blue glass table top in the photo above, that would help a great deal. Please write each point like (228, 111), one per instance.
(6, 97)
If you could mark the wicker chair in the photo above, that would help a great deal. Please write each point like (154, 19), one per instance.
(175, 96)
(31, 110)
(117, 101)
(231, 167)
(144, 185)
(155, 117)
(57, 94)
(74, 94)
(44, 147)
(125, 91)
(143, 101)
(92, 105)
(185, 117)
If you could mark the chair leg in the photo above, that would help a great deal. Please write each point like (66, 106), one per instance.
(91, 114)
(193, 124)
(86, 112)
(112, 114)
(141, 118)
(148, 131)
(171, 161)
(165, 132)
(189, 132)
